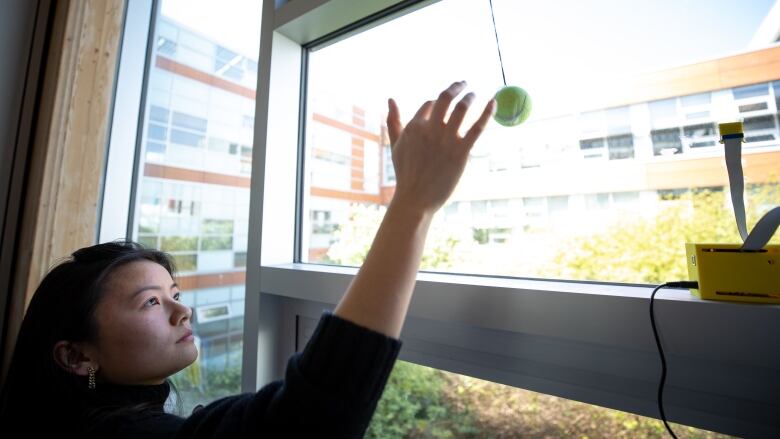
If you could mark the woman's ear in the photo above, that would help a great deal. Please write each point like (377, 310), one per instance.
(72, 358)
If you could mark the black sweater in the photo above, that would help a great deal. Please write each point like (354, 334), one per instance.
(330, 390)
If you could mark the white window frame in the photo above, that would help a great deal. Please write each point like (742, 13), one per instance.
(586, 341)
(590, 342)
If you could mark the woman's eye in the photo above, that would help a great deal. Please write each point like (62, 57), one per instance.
(153, 301)
(177, 297)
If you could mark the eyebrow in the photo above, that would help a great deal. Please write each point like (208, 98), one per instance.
(152, 287)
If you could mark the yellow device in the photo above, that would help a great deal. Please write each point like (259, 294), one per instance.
(747, 272)
(725, 272)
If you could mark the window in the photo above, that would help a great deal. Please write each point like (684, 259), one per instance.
(760, 129)
(388, 171)
(695, 100)
(753, 107)
(620, 147)
(663, 113)
(190, 122)
(450, 311)
(701, 135)
(614, 140)
(196, 219)
(776, 91)
(751, 91)
(666, 142)
(597, 201)
(618, 120)
(592, 148)
(227, 64)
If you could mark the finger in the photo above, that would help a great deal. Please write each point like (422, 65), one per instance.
(479, 126)
(445, 99)
(424, 112)
(459, 113)
(393, 121)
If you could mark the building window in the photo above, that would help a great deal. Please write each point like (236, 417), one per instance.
(663, 113)
(760, 129)
(666, 141)
(701, 135)
(166, 47)
(593, 148)
(239, 259)
(753, 107)
(750, 91)
(621, 147)
(388, 176)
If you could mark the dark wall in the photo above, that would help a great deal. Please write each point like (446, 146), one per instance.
(23, 27)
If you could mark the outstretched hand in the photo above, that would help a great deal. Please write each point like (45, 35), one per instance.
(429, 154)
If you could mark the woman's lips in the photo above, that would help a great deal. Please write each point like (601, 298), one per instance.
(187, 337)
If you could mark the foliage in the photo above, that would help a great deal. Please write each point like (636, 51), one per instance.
(414, 405)
(353, 240)
(652, 250)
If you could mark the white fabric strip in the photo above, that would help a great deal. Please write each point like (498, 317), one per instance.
(733, 149)
(763, 231)
(765, 227)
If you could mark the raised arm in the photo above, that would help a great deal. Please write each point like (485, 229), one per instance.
(429, 156)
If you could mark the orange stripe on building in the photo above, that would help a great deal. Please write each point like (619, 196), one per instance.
(717, 74)
(210, 280)
(681, 172)
(206, 78)
(356, 171)
(358, 197)
(346, 127)
(182, 174)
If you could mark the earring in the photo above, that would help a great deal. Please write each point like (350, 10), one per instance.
(91, 372)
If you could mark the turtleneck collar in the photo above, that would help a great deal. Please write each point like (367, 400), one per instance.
(119, 395)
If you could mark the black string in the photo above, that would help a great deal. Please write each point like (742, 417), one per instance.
(497, 45)
(661, 350)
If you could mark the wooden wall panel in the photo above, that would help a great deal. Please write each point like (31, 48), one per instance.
(64, 178)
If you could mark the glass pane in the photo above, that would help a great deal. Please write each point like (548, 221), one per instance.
(420, 402)
(607, 118)
(663, 113)
(196, 119)
(666, 142)
(751, 91)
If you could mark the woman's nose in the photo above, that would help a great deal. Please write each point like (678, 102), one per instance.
(181, 313)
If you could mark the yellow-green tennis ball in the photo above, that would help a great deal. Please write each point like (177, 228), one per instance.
(513, 106)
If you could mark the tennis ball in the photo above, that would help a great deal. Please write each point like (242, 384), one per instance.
(513, 106)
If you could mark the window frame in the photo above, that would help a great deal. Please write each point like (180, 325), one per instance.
(564, 336)
(280, 290)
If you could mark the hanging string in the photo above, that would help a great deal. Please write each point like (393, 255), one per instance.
(492, 15)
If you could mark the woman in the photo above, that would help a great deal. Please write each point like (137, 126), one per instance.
(106, 329)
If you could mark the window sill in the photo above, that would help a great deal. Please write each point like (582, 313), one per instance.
(585, 341)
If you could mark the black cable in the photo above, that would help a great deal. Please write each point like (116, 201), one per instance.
(495, 31)
(683, 284)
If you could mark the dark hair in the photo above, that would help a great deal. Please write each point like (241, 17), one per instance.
(62, 308)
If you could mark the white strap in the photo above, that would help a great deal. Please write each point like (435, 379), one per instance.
(733, 149)
(763, 231)
(768, 224)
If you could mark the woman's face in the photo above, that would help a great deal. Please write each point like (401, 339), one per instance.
(144, 332)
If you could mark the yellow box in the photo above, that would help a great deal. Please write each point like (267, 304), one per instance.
(726, 273)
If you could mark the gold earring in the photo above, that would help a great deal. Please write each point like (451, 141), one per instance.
(91, 372)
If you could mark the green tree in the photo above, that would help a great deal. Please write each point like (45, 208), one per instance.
(652, 250)
(416, 405)
(443, 247)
